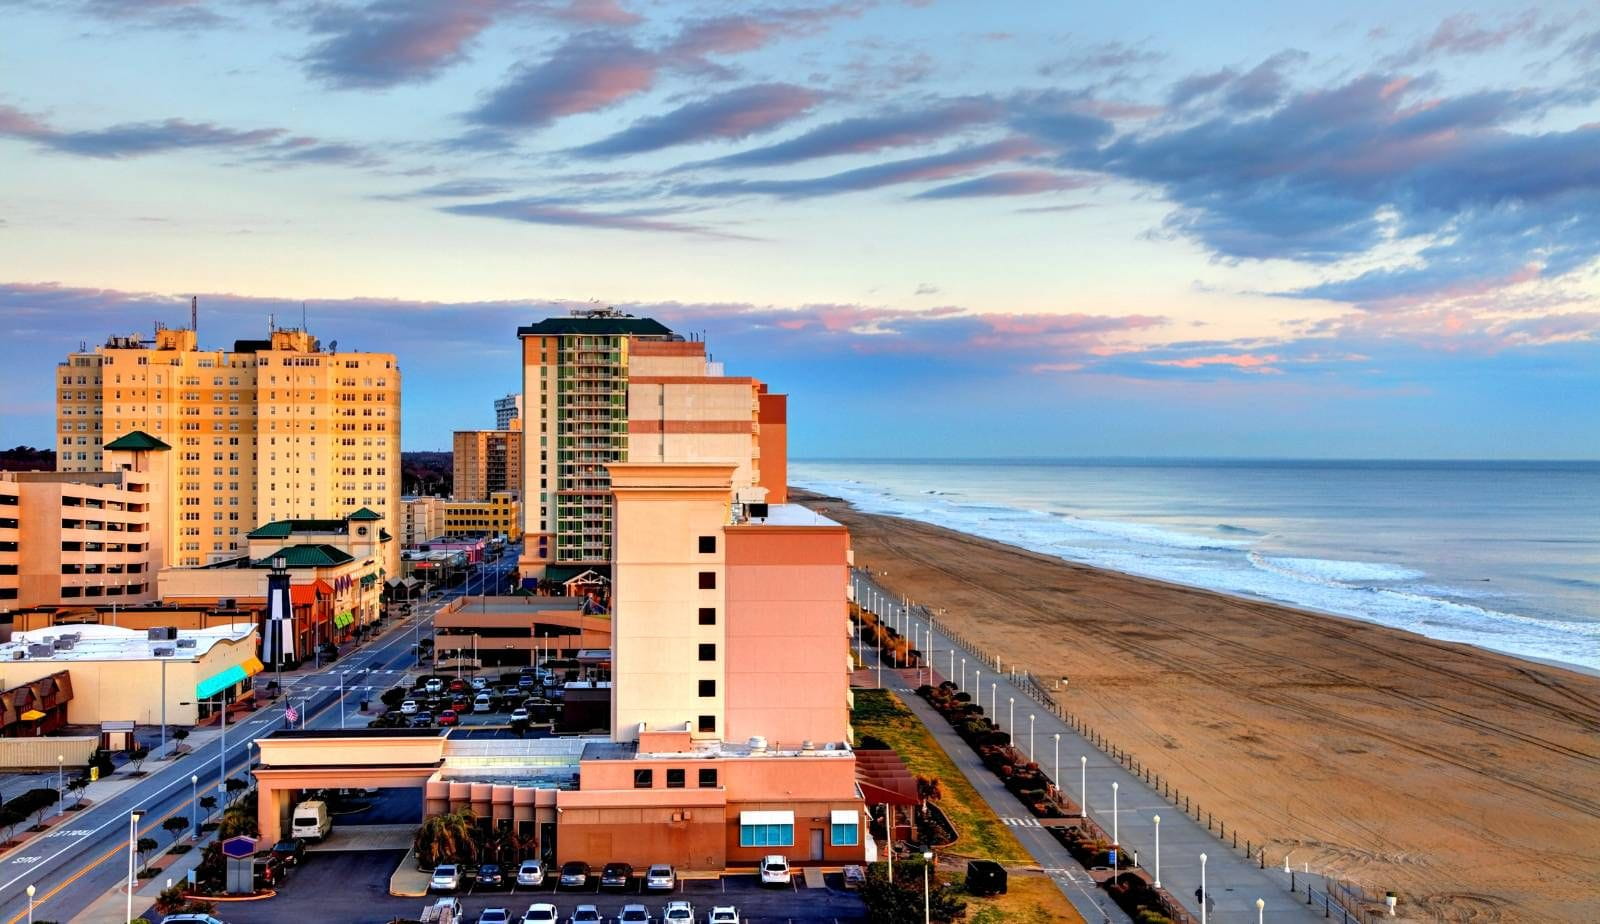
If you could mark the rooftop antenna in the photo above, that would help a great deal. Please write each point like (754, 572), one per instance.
(194, 315)
(302, 315)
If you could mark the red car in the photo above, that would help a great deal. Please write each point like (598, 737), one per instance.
(458, 686)
(449, 717)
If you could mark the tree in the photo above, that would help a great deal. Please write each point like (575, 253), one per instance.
(240, 818)
(40, 802)
(900, 901)
(143, 846)
(447, 838)
(137, 757)
(75, 788)
(180, 735)
(929, 789)
(9, 819)
(176, 825)
(209, 803)
(235, 786)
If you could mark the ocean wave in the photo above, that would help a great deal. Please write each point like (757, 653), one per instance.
(1238, 530)
(1156, 535)
(1334, 571)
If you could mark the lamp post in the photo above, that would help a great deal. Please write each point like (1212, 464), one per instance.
(994, 697)
(1116, 840)
(194, 793)
(963, 671)
(1203, 895)
(133, 842)
(1030, 736)
(341, 699)
(1083, 784)
(61, 779)
(1157, 820)
(1261, 911)
(31, 890)
(1011, 716)
(1056, 776)
(927, 863)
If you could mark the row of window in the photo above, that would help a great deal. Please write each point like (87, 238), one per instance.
(676, 777)
(782, 835)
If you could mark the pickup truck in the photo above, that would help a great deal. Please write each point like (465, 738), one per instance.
(443, 911)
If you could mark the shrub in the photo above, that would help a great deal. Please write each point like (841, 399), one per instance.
(137, 758)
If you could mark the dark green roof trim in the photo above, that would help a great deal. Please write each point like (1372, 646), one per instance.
(383, 536)
(305, 556)
(633, 326)
(136, 441)
(283, 529)
(365, 513)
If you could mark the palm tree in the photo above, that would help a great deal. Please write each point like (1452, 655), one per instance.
(929, 789)
(446, 838)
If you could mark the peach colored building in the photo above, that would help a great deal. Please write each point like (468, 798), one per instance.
(514, 631)
(70, 537)
(486, 462)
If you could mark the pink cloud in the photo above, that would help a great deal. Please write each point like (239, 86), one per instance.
(1245, 362)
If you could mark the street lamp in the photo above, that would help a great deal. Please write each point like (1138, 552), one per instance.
(194, 792)
(963, 672)
(1083, 784)
(1203, 895)
(1157, 820)
(1030, 735)
(1115, 818)
(31, 890)
(1056, 776)
(61, 780)
(1261, 910)
(133, 842)
(994, 696)
(927, 863)
(1011, 716)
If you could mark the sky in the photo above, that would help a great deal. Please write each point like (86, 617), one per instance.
(945, 228)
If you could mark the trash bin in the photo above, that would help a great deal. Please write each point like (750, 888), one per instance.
(985, 877)
(364, 704)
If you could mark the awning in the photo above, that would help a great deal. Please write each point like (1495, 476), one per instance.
(845, 817)
(302, 594)
(766, 818)
(343, 619)
(224, 679)
(367, 579)
(323, 587)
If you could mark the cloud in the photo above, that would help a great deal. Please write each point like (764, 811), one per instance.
(927, 288)
(389, 42)
(131, 139)
(589, 72)
(163, 14)
(732, 115)
(1009, 183)
(910, 170)
(738, 33)
(557, 212)
(1466, 34)
(869, 134)
(1262, 86)
(593, 13)
(1245, 362)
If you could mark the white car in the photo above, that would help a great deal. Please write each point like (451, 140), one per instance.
(678, 912)
(433, 685)
(774, 869)
(585, 914)
(480, 683)
(635, 914)
(531, 874)
(540, 913)
(519, 714)
(446, 878)
(409, 707)
(661, 878)
(494, 916)
(723, 914)
(483, 703)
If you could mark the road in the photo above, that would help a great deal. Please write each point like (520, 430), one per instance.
(82, 859)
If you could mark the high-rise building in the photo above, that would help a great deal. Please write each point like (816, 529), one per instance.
(273, 429)
(506, 410)
(487, 462)
(603, 387)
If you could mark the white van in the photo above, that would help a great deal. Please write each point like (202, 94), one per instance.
(483, 703)
(311, 820)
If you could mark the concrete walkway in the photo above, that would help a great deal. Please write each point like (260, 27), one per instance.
(1234, 882)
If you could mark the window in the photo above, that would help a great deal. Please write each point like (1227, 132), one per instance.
(708, 580)
(708, 688)
(708, 545)
(845, 835)
(708, 778)
(675, 778)
(643, 779)
(708, 615)
(708, 723)
(766, 835)
(708, 651)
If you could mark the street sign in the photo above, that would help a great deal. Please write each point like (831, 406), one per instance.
(239, 847)
(1111, 859)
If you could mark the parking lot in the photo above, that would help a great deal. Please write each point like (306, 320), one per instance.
(354, 887)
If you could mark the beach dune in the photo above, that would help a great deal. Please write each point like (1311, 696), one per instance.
(1467, 781)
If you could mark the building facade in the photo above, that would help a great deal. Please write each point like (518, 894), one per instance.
(486, 462)
(605, 388)
(506, 410)
(86, 537)
(500, 514)
(421, 519)
(272, 429)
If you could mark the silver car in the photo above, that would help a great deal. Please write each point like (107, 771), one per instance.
(661, 878)
(531, 873)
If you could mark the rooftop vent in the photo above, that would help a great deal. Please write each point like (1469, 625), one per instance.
(758, 744)
(37, 650)
(807, 745)
(162, 634)
(185, 643)
(17, 654)
(61, 643)
(164, 652)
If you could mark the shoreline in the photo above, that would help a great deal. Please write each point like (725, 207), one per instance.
(1458, 775)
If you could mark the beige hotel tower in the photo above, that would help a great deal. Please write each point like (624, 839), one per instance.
(274, 429)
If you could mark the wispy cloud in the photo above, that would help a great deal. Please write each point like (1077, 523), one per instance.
(911, 170)
(389, 42)
(1008, 183)
(870, 134)
(733, 115)
(588, 72)
(131, 139)
(540, 211)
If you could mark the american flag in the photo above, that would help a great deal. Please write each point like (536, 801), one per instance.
(289, 715)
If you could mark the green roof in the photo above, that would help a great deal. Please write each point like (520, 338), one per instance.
(306, 556)
(365, 513)
(633, 326)
(283, 529)
(136, 441)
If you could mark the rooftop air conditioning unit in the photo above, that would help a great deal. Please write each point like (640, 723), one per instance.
(807, 746)
(185, 643)
(36, 650)
(162, 634)
(17, 654)
(758, 744)
(61, 643)
(164, 652)
(227, 603)
(756, 511)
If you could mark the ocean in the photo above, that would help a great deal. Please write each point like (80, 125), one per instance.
(1501, 555)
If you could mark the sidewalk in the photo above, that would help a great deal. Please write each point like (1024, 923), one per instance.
(111, 907)
(1233, 882)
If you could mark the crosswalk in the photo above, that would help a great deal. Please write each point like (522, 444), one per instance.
(1021, 822)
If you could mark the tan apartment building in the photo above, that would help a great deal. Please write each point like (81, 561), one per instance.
(498, 515)
(86, 537)
(487, 462)
(273, 429)
(506, 410)
(421, 519)
(606, 387)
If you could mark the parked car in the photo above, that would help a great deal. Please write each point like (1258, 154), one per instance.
(678, 912)
(457, 686)
(443, 909)
(519, 714)
(490, 876)
(774, 869)
(616, 876)
(723, 914)
(291, 850)
(634, 914)
(494, 916)
(483, 702)
(540, 913)
(525, 682)
(531, 874)
(661, 878)
(855, 876)
(408, 707)
(460, 703)
(269, 870)
(190, 919)
(422, 720)
(445, 878)
(448, 718)
(585, 914)
(574, 875)
(480, 683)
(433, 685)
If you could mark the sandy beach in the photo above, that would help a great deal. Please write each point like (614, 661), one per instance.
(1467, 781)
